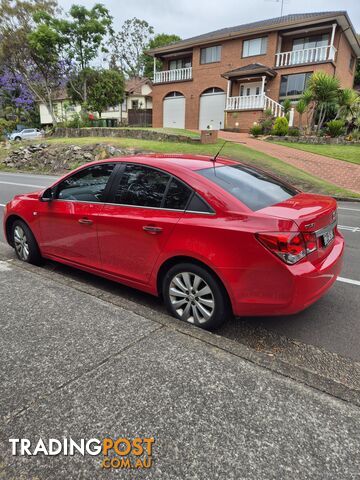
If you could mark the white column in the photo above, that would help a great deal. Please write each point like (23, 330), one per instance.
(228, 88)
(154, 67)
(263, 84)
(333, 34)
(291, 117)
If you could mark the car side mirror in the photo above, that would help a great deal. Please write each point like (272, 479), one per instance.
(47, 196)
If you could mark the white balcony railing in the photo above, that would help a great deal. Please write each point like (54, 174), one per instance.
(246, 102)
(307, 55)
(176, 75)
(255, 102)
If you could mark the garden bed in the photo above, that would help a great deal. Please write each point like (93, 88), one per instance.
(137, 133)
(313, 140)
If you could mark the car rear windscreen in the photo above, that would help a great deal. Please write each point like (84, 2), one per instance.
(253, 188)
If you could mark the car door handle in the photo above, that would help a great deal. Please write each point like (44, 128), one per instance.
(85, 221)
(152, 229)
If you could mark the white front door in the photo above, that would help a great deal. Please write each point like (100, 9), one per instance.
(174, 112)
(212, 106)
(250, 88)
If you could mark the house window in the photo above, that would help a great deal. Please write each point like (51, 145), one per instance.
(311, 42)
(242, 91)
(210, 54)
(294, 85)
(256, 46)
(134, 104)
(352, 62)
(179, 63)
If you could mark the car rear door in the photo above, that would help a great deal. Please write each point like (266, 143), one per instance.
(69, 223)
(146, 203)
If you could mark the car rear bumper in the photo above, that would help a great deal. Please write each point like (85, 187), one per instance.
(284, 289)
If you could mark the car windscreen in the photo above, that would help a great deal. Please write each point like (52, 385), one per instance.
(253, 188)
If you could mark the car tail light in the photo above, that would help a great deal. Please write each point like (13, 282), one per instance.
(289, 246)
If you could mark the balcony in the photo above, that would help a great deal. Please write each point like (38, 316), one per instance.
(175, 75)
(307, 55)
(255, 102)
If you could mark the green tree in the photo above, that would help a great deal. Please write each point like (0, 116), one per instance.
(106, 89)
(80, 36)
(128, 46)
(24, 54)
(160, 40)
(323, 90)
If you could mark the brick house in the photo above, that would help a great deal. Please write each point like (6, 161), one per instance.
(225, 79)
(137, 102)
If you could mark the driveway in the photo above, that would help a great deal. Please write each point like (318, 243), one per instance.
(344, 174)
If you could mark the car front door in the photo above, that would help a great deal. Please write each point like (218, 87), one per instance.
(146, 203)
(69, 222)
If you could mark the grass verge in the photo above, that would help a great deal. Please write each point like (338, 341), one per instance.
(235, 151)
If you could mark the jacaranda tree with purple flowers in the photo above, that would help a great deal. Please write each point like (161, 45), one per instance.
(16, 100)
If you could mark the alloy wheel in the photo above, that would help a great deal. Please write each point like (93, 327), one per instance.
(191, 297)
(21, 243)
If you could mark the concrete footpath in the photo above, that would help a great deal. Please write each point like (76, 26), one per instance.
(74, 365)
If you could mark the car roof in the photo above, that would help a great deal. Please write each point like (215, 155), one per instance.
(175, 161)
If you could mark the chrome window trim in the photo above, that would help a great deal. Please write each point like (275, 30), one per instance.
(133, 206)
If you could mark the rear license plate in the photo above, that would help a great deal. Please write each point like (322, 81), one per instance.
(328, 237)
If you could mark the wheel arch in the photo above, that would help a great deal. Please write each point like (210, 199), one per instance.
(172, 261)
(11, 219)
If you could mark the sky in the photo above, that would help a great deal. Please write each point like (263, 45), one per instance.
(188, 18)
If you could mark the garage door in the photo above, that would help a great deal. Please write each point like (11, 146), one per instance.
(212, 106)
(174, 111)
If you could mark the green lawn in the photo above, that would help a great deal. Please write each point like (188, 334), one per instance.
(348, 153)
(235, 151)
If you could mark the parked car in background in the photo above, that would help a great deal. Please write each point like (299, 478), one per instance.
(210, 237)
(26, 134)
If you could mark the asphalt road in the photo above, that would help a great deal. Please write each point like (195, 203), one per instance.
(333, 323)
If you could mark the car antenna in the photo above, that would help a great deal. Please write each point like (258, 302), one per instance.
(217, 154)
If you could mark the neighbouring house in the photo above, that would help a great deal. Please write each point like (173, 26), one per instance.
(225, 79)
(136, 108)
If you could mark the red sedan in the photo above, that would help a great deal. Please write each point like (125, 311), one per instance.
(211, 237)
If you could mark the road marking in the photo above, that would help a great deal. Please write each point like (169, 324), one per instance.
(350, 229)
(348, 280)
(23, 184)
(352, 209)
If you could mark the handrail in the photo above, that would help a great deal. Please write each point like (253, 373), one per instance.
(305, 55)
(255, 102)
(175, 75)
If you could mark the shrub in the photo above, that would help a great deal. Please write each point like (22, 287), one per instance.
(256, 130)
(6, 126)
(281, 126)
(293, 132)
(335, 128)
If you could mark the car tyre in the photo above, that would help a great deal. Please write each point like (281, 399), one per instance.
(17, 139)
(25, 244)
(195, 295)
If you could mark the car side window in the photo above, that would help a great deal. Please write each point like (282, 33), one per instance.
(141, 186)
(177, 195)
(198, 205)
(88, 185)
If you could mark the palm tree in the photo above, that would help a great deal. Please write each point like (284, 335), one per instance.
(324, 89)
(349, 105)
